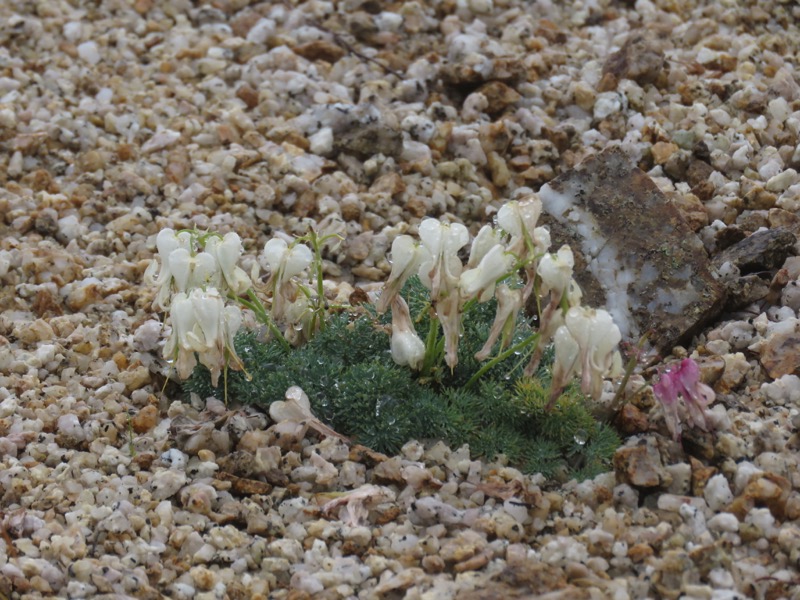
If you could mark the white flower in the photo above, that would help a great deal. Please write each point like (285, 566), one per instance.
(518, 219)
(566, 362)
(189, 272)
(440, 268)
(167, 241)
(597, 336)
(406, 257)
(487, 238)
(407, 347)
(182, 343)
(480, 281)
(227, 252)
(509, 303)
(285, 262)
(556, 271)
(202, 324)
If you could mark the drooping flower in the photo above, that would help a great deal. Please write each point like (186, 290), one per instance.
(167, 241)
(488, 237)
(555, 271)
(519, 218)
(407, 347)
(284, 263)
(202, 325)
(509, 303)
(480, 282)
(566, 362)
(406, 257)
(597, 336)
(683, 382)
(227, 251)
(440, 267)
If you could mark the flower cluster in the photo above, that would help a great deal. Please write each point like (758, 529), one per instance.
(198, 274)
(683, 381)
(585, 339)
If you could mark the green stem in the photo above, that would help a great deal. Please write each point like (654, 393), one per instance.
(501, 357)
(431, 347)
(262, 315)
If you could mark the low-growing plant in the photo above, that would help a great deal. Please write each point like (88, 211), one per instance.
(480, 373)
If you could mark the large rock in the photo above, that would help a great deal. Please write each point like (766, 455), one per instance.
(634, 253)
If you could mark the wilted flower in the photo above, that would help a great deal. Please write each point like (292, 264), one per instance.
(683, 381)
(296, 408)
(509, 303)
(407, 347)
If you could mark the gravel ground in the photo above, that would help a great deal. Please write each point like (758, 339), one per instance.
(120, 118)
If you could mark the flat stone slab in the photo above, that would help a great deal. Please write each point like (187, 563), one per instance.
(634, 253)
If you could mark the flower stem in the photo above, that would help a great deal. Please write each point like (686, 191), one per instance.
(432, 347)
(262, 315)
(501, 357)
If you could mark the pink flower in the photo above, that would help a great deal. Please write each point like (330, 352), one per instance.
(683, 381)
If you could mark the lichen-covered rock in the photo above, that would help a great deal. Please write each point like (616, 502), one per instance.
(634, 253)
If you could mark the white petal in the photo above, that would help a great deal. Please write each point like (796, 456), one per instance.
(180, 266)
(430, 233)
(297, 261)
(208, 307)
(205, 271)
(274, 252)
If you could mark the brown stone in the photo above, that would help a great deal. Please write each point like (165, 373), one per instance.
(640, 59)
(640, 465)
(145, 419)
(634, 253)
(245, 487)
(320, 50)
(661, 151)
(631, 420)
(780, 354)
(134, 378)
(143, 460)
(697, 173)
(700, 476)
(640, 552)
(390, 183)
(780, 218)
(692, 210)
(768, 490)
(247, 94)
(761, 251)
(499, 95)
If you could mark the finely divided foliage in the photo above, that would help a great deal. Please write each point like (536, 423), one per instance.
(457, 360)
